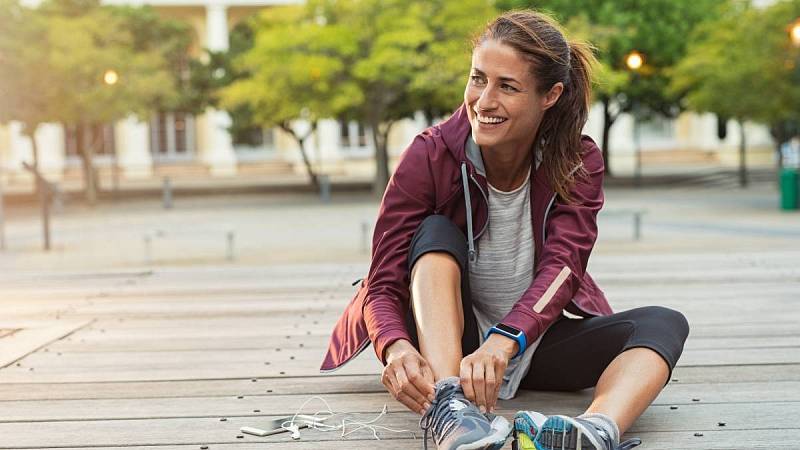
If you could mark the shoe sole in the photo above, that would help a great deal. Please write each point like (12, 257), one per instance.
(565, 433)
(495, 441)
(525, 430)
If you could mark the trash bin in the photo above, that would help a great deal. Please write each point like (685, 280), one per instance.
(790, 187)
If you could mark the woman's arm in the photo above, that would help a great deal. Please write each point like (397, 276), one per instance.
(408, 200)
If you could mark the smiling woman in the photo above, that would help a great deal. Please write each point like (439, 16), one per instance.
(461, 317)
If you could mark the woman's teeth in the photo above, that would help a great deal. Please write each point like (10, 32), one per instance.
(486, 119)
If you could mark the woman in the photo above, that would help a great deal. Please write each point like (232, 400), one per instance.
(481, 245)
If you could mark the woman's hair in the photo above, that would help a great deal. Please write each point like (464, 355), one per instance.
(540, 40)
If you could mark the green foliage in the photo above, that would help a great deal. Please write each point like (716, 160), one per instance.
(294, 69)
(172, 40)
(375, 61)
(656, 28)
(26, 85)
(744, 66)
(55, 58)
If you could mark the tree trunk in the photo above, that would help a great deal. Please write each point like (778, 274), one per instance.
(31, 133)
(608, 120)
(86, 151)
(379, 139)
(301, 140)
(742, 155)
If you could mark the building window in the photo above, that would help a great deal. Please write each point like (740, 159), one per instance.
(352, 134)
(100, 137)
(172, 136)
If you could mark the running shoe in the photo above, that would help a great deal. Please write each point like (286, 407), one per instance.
(457, 424)
(570, 433)
(526, 426)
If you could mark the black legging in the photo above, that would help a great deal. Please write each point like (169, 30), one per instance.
(573, 353)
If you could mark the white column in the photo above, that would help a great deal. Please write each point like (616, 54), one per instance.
(50, 142)
(217, 147)
(133, 148)
(622, 144)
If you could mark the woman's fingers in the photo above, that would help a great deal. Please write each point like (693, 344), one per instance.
(465, 373)
(409, 381)
(491, 387)
(427, 385)
(479, 385)
(406, 381)
(499, 372)
(410, 403)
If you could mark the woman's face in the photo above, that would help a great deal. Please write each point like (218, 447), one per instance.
(503, 105)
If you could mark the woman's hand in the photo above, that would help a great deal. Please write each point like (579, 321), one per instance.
(408, 377)
(482, 371)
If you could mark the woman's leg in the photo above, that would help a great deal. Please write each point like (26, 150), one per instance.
(436, 302)
(628, 385)
(441, 322)
(628, 356)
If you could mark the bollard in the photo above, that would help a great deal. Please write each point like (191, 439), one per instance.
(167, 193)
(230, 255)
(147, 247)
(637, 226)
(324, 188)
(364, 236)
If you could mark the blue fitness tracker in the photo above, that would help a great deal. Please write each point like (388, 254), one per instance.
(511, 333)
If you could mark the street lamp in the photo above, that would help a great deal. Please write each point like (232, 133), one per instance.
(110, 77)
(634, 60)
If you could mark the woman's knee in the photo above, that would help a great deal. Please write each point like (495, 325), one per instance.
(438, 235)
(665, 321)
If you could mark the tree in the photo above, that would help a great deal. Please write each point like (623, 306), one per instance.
(398, 66)
(438, 88)
(656, 28)
(26, 86)
(294, 70)
(78, 63)
(733, 74)
(373, 61)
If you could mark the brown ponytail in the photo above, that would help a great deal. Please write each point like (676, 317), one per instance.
(539, 38)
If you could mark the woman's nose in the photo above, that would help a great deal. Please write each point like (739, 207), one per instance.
(487, 101)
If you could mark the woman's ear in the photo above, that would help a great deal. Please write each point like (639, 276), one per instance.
(553, 95)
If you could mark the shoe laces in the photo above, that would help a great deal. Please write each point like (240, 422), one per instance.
(440, 419)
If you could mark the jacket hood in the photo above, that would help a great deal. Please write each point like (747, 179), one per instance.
(454, 132)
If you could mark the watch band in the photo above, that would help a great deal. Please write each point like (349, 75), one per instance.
(519, 336)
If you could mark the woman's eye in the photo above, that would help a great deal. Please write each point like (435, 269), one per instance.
(476, 79)
(509, 88)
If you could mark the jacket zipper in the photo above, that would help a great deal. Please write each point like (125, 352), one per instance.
(472, 177)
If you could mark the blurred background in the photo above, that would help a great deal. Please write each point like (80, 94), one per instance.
(258, 131)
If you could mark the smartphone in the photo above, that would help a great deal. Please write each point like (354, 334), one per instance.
(274, 426)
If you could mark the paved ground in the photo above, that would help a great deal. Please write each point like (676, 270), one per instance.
(298, 228)
(101, 349)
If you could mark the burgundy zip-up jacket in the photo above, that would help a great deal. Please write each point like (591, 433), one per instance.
(442, 172)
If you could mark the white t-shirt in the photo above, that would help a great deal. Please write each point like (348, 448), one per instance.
(503, 271)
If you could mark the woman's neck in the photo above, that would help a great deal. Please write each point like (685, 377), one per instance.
(506, 169)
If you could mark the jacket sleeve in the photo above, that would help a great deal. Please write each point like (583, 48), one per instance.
(571, 234)
(408, 199)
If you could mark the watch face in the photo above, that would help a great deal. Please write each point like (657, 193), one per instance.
(508, 329)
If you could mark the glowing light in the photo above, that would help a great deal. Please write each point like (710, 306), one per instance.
(634, 60)
(794, 33)
(110, 77)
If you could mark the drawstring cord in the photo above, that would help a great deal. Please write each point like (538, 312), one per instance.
(468, 201)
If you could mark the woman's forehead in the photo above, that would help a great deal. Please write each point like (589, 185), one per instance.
(498, 60)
